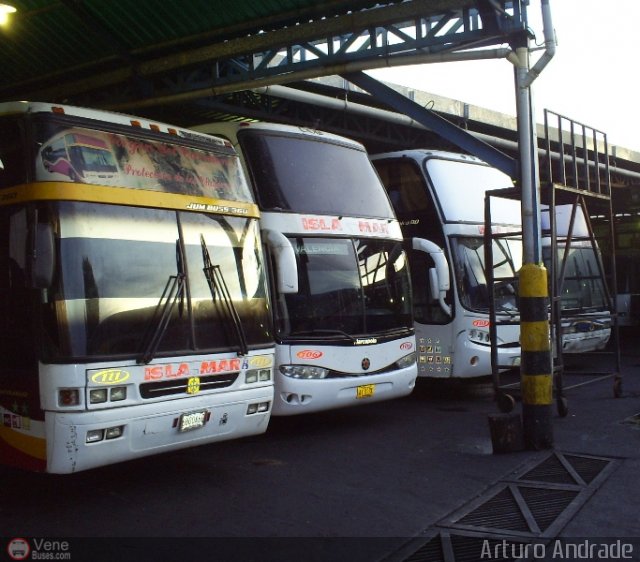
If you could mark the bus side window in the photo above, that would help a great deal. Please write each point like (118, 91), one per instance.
(12, 161)
(15, 330)
(405, 185)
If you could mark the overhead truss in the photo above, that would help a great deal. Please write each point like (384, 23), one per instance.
(391, 33)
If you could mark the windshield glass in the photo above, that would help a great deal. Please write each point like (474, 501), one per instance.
(112, 276)
(352, 286)
(583, 287)
(460, 188)
(470, 272)
(310, 174)
(84, 155)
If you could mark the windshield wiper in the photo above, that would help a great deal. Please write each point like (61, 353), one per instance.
(322, 331)
(174, 290)
(220, 292)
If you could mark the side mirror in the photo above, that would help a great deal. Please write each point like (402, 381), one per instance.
(285, 258)
(43, 263)
(434, 284)
(439, 279)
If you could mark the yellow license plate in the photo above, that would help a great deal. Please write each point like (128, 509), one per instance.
(365, 390)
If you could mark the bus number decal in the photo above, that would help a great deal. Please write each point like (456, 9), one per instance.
(309, 354)
(110, 376)
(260, 362)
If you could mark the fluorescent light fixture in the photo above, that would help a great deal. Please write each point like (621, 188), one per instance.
(5, 10)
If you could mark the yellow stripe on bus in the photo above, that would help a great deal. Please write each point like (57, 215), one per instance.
(70, 191)
(33, 446)
(537, 390)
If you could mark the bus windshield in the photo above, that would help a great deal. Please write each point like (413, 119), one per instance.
(583, 288)
(281, 163)
(114, 265)
(470, 272)
(460, 187)
(112, 283)
(353, 287)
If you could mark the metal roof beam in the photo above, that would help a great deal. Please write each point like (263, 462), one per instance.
(437, 124)
(412, 27)
(79, 8)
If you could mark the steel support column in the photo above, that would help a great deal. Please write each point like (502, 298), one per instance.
(536, 378)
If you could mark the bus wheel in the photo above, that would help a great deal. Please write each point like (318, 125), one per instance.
(506, 402)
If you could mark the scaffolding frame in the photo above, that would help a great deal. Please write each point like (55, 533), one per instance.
(576, 172)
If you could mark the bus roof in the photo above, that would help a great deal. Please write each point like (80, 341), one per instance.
(18, 107)
(231, 128)
(422, 153)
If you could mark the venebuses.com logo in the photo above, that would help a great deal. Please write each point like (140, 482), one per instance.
(38, 549)
(18, 549)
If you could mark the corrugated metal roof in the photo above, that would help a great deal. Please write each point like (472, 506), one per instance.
(53, 39)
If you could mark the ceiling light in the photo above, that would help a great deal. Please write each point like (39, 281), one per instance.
(5, 10)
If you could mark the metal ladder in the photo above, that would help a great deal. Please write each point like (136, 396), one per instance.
(575, 170)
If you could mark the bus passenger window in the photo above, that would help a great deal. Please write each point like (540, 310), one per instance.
(12, 161)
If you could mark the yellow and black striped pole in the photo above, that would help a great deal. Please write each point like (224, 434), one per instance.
(536, 364)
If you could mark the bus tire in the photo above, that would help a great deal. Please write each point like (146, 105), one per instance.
(506, 402)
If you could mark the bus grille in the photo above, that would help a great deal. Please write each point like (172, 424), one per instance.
(179, 386)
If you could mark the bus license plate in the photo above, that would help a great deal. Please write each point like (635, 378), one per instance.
(365, 390)
(193, 420)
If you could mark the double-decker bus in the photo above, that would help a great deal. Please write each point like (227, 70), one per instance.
(134, 305)
(340, 277)
(439, 200)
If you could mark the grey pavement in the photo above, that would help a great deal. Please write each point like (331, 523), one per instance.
(372, 483)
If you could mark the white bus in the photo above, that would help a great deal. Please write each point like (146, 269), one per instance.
(626, 241)
(439, 200)
(341, 285)
(585, 316)
(133, 291)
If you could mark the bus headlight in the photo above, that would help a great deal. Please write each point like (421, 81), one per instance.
(304, 371)
(118, 393)
(258, 407)
(406, 361)
(101, 395)
(114, 432)
(98, 395)
(479, 336)
(95, 435)
(257, 375)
